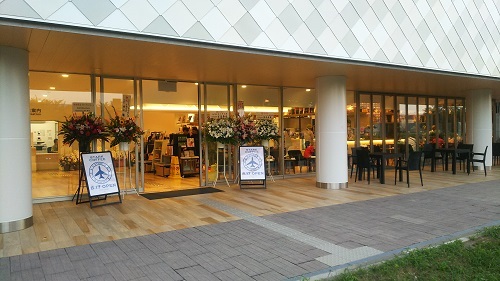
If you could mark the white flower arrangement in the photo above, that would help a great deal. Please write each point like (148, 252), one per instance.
(220, 130)
(266, 129)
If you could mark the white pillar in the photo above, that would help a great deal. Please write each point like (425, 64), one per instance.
(16, 207)
(331, 133)
(479, 122)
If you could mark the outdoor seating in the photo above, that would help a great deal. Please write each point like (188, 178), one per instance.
(364, 162)
(495, 153)
(412, 164)
(429, 152)
(463, 157)
(354, 157)
(479, 158)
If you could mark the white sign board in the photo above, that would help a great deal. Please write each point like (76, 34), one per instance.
(100, 173)
(83, 107)
(252, 164)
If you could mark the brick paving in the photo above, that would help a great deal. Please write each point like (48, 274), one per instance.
(275, 247)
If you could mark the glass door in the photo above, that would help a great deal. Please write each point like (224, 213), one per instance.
(218, 164)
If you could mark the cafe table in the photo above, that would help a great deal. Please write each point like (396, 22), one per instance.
(381, 158)
(454, 152)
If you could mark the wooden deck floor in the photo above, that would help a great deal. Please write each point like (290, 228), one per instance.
(64, 224)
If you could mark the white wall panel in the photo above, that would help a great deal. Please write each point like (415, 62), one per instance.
(460, 36)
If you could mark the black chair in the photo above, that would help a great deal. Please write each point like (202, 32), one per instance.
(480, 159)
(364, 162)
(354, 157)
(299, 159)
(412, 164)
(463, 157)
(429, 151)
(495, 153)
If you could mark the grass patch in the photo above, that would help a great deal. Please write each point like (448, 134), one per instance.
(476, 259)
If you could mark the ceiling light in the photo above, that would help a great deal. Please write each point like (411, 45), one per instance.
(65, 75)
(196, 83)
(44, 96)
(52, 88)
(243, 86)
(308, 90)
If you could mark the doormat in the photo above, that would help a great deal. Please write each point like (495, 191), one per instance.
(179, 193)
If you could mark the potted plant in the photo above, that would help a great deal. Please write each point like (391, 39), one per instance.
(84, 129)
(67, 162)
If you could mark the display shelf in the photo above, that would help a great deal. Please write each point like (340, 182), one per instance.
(189, 166)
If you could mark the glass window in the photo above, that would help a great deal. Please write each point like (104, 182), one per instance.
(51, 99)
(298, 125)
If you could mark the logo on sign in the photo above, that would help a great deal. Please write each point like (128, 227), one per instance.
(100, 172)
(252, 162)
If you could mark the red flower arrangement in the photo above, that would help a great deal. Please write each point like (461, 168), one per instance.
(83, 128)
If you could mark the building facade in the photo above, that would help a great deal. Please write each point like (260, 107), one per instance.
(401, 66)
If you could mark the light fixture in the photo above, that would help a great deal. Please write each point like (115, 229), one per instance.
(52, 88)
(243, 86)
(45, 95)
(308, 90)
(196, 83)
(65, 75)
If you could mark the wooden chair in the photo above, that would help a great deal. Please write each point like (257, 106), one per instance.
(480, 159)
(354, 157)
(412, 164)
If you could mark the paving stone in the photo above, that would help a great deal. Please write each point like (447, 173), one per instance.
(5, 269)
(129, 244)
(80, 253)
(111, 254)
(222, 250)
(24, 262)
(285, 267)
(142, 257)
(177, 260)
(161, 272)
(248, 265)
(106, 277)
(125, 270)
(35, 274)
(56, 264)
(52, 253)
(190, 248)
(269, 276)
(90, 268)
(212, 262)
(156, 244)
(197, 273)
(233, 274)
(63, 276)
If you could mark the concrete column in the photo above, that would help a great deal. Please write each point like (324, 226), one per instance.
(479, 122)
(16, 207)
(331, 133)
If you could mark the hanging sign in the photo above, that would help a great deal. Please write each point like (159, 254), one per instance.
(252, 164)
(219, 114)
(126, 105)
(83, 107)
(100, 173)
